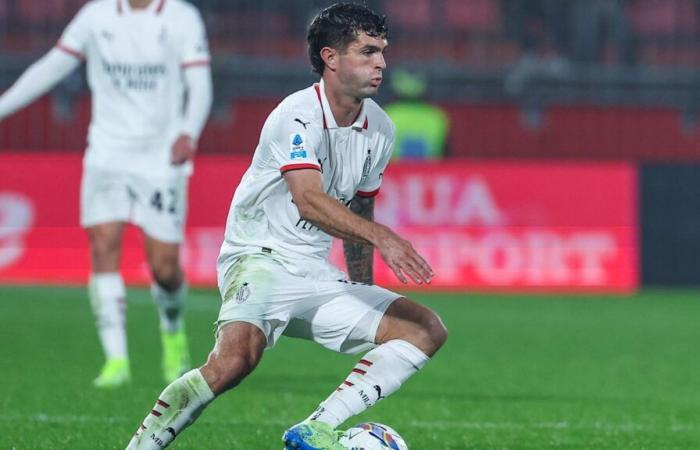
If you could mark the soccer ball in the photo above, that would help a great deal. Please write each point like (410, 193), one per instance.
(372, 436)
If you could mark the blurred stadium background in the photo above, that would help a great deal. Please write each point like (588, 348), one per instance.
(577, 84)
(570, 166)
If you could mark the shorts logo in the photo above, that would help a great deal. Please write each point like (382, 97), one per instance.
(243, 293)
(298, 151)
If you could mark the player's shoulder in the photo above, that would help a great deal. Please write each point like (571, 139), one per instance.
(93, 7)
(303, 105)
(379, 119)
(182, 9)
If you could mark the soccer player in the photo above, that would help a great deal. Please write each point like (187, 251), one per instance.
(322, 150)
(142, 57)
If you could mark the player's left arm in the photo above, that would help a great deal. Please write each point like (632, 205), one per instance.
(199, 100)
(196, 71)
(359, 256)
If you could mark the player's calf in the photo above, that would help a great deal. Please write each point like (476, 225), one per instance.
(177, 407)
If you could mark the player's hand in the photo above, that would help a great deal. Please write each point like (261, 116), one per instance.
(183, 150)
(401, 257)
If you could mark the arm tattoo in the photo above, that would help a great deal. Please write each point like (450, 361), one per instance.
(359, 257)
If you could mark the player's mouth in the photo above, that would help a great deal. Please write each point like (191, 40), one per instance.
(376, 81)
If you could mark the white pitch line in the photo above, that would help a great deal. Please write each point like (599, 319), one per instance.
(444, 425)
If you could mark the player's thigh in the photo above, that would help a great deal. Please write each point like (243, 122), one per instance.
(258, 290)
(348, 317)
(161, 206)
(104, 197)
(238, 350)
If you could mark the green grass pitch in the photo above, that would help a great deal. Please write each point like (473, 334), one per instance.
(518, 372)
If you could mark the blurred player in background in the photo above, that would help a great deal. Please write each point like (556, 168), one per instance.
(314, 175)
(148, 71)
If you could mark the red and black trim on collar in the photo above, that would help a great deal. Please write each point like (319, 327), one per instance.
(318, 94)
(325, 125)
(159, 8)
(288, 167)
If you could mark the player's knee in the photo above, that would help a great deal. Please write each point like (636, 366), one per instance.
(104, 250)
(429, 333)
(166, 271)
(436, 331)
(226, 372)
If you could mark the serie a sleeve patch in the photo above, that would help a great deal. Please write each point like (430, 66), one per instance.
(297, 147)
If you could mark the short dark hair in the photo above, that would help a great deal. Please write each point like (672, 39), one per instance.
(339, 25)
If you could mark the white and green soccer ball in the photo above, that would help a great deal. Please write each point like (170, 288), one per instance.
(372, 436)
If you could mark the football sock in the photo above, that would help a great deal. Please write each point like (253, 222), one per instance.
(108, 300)
(377, 375)
(177, 407)
(171, 306)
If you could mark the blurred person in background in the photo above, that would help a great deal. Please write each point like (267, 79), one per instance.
(148, 72)
(541, 30)
(421, 127)
(599, 27)
(314, 175)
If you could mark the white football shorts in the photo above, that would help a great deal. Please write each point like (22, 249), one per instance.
(157, 205)
(340, 315)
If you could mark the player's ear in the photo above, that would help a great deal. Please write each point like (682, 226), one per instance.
(330, 57)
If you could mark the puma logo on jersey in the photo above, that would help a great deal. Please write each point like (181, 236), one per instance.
(302, 122)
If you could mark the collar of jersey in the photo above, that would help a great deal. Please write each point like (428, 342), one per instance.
(329, 121)
(155, 7)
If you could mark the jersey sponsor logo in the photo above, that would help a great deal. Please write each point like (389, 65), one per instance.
(138, 77)
(298, 151)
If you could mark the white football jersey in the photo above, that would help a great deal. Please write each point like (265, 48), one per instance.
(135, 60)
(301, 133)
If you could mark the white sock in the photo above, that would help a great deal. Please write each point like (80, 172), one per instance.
(177, 407)
(108, 300)
(171, 306)
(380, 373)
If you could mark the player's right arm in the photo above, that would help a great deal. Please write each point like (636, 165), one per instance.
(38, 79)
(44, 74)
(317, 207)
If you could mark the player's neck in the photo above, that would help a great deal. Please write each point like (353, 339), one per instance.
(344, 108)
(139, 4)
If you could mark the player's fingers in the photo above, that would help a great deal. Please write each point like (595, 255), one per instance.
(397, 271)
(426, 269)
(418, 273)
(409, 270)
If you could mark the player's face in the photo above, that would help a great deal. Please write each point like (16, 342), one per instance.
(361, 65)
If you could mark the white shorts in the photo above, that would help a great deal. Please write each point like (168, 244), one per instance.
(340, 315)
(156, 205)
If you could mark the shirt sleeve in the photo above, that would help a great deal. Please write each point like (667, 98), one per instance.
(292, 142)
(195, 46)
(369, 186)
(75, 37)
